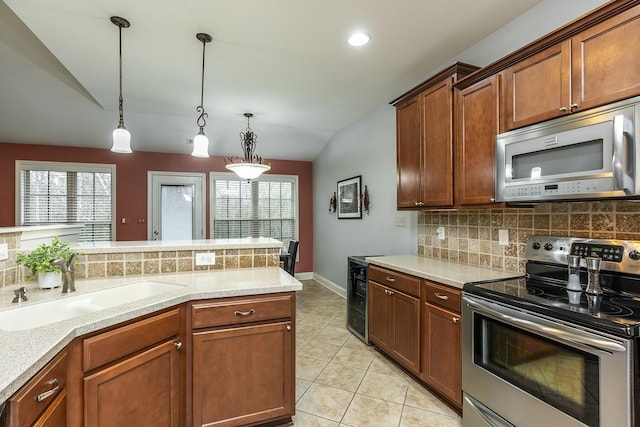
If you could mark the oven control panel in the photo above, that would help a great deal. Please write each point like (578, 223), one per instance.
(616, 255)
(611, 253)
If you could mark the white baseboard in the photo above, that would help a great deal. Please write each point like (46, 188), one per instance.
(304, 276)
(333, 287)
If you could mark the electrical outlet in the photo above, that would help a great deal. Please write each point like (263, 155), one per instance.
(205, 258)
(4, 251)
(503, 237)
(440, 231)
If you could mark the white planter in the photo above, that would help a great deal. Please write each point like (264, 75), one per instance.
(50, 279)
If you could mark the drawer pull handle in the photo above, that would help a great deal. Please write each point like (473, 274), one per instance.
(391, 279)
(439, 296)
(455, 319)
(244, 313)
(178, 345)
(42, 396)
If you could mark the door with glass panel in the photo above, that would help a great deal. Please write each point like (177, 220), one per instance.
(176, 208)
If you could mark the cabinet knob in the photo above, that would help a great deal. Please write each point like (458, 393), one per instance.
(178, 345)
(419, 204)
(455, 319)
(562, 109)
(390, 279)
(573, 106)
(492, 200)
(288, 327)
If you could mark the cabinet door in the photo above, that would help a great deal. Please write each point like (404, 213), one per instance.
(538, 88)
(56, 414)
(243, 375)
(605, 61)
(406, 330)
(437, 169)
(380, 308)
(143, 390)
(409, 153)
(442, 353)
(477, 127)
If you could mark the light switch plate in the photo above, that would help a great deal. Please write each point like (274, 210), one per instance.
(440, 231)
(503, 237)
(205, 258)
(4, 251)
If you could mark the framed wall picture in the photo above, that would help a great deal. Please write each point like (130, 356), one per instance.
(349, 198)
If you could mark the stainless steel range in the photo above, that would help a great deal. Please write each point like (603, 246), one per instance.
(541, 350)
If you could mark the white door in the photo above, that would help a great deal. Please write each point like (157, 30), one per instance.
(176, 207)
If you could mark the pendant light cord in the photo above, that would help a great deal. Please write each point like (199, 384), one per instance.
(120, 108)
(201, 122)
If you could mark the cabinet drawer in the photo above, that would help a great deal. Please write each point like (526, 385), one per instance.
(109, 346)
(241, 310)
(35, 396)
(443, 296)
(393, 279)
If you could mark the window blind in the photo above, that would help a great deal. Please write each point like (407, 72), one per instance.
(68, 193)
(264, 207)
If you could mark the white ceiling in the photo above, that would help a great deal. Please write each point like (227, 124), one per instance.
(286, 61)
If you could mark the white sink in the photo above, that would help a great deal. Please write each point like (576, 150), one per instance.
(69, 306)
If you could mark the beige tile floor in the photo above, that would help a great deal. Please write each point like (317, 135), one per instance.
(342, 382)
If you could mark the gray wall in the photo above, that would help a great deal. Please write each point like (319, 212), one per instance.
(367, 147)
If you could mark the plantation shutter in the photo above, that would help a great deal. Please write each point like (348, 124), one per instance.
(264, 207)
(67, 193)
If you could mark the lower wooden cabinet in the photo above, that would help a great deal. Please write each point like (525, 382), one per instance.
(419, 328)
(394, 318)
(142, 390)
(441, 358)
(243, 373)
(220, 362)
(42, 400)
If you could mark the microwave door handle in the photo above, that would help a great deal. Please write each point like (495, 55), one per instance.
(620, 161)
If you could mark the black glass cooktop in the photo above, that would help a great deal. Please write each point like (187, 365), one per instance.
(616, 312)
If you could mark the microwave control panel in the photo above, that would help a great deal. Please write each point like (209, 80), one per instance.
(558, 189)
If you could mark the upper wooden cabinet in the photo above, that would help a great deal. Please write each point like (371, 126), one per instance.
(424, 144)
(476, 119)
(593, 67)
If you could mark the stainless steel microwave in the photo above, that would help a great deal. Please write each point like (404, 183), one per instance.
(589, 155)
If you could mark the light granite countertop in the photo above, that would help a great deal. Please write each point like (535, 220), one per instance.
(441, 271)
(177, 245)
(24, 352)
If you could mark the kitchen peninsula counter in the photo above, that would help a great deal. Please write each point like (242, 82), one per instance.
(25, 352)
(442, 271)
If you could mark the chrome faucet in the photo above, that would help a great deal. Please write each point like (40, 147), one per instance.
(593, 269)
(68, 273)
(20, 295)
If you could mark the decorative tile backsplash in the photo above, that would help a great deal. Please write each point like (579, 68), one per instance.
(122, 264)
(8, 270)
(471, 236)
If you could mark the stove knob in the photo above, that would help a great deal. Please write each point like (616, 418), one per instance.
(548, 246)
(536, 245)
(634, 255)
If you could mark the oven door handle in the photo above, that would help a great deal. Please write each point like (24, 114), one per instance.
(556, 333)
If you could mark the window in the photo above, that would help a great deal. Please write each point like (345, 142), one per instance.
(55, 193)
(264, 207)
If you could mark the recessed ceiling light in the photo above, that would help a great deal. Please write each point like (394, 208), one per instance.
(359, 39)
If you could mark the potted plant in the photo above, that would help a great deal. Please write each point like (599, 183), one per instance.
(38, 261)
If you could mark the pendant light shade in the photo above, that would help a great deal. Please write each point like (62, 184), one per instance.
(121, 136)
(200, 141)
(251, 165)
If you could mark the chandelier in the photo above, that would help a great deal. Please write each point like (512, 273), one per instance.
(121, 136)
(201, 142)
(251, 165)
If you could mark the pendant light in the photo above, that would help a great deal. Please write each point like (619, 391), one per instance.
(121, 136)
(252, 165)
(200, 141)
